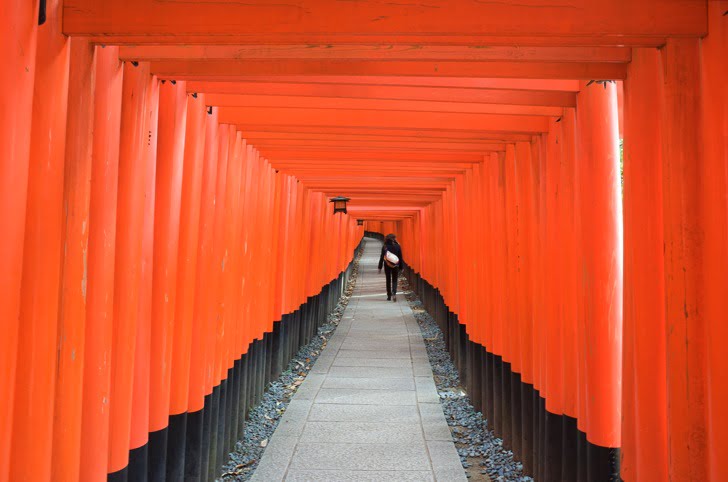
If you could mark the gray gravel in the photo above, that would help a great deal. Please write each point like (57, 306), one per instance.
(481, 452)
(264, 418)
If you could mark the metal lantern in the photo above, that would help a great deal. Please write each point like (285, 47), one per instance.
(340, 204)
(360, 222)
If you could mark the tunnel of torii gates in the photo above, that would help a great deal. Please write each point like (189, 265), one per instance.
(167, 241)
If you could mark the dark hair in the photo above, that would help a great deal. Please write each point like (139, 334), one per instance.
(390, 238)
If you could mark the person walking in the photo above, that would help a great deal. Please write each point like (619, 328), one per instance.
(391, 270)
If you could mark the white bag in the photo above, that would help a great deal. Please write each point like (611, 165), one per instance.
(391, 259)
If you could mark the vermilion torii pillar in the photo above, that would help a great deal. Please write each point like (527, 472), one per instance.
(40, 286)
(599, 271)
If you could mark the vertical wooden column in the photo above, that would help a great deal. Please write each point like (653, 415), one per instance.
(511, 327)
(568, 295)
(187, 270)
(18, 26)
(600, 270)
(212, 351)
(101, 251)
(279, 217)
(499, 263)
(262, 262)
(172, 115)
(130, 223)
(525, 226)
(196, 448)
(141, 400)
(246, 235)
(553, 344)
(74, 282)
(551, 390)
(35, 377)
(644, 404)
(488, 190)
(714, 50)
(684, 224)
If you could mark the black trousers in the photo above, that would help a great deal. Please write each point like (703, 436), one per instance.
(391, 274)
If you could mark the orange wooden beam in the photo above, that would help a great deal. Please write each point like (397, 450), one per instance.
(368, 176)
(237, 87)
(376, 51)
(393, 198)
(355, 21)
(256, 136)
(230, 69)
(304, 169)
(482, 146)
(295, 155)
(386, 119)
(311, 132)
(383, 189)
(332, 102)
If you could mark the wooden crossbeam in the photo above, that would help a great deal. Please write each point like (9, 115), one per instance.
(241, 100)
(256, 137)
(230, 69)
(371, 118)
(243, 83)
(323, 21)
(381, 51)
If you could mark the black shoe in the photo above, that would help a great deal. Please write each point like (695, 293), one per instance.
(395, 298)
(389, 298)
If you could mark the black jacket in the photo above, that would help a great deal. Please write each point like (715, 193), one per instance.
(392, 247)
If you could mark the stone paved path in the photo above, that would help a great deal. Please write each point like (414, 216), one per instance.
(368, 410)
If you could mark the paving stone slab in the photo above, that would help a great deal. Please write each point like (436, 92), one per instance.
(445, 462)
(366, 397)
(331, 456)
(359, 476)
(371, 383)
(362, 432)
(275, 460)
(372, 362)
(363, 413)
(369, 372)
(374, 354)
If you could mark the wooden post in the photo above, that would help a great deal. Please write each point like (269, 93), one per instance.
(195, 448)
(644, 400)
(599, 272)
(684, 237)
(18, 27)
(130, 223)
(190, 209)
(101, 252)
(74, 273)
(35, 379)
(714, 50)
(141, 401)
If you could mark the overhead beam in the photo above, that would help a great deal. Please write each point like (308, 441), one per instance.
(377, 51)
(277, 131)
(225, 93)
(328, 168)
(303, 21)
(485, 146)
(254, 137)
(391, 80)
(230, 69)
(241, 100)
(344, 155)
(372, 118)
